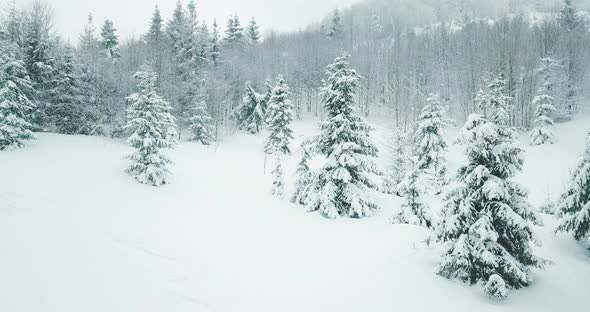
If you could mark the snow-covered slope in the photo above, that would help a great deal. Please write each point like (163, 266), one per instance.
(78, 234)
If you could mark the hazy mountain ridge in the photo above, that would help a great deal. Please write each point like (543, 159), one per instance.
(425, 13)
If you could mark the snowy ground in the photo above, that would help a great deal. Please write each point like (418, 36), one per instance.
(77, 234)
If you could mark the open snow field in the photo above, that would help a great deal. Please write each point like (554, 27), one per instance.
(78, 234)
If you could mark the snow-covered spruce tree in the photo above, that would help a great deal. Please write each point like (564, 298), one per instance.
(109, 40)
(66, 96)
(155, 41)
(303, 175)
(541, 133)
(430, 145)
(257, 111)
(266, 98)
(543, 103)
(493, 100)
(398, 164)
(190, 51)
(573, 207)
(487, 227)
(193, 49)
(234, 33)
(38, 43)
(253, 32)
(345, 183)
(152, 127)
(88, 44)
(214, 44)
(256, 120)
(335, 29)
(248, 115)
(176, 28)
(413, 211)
(574, 29)
(278, 182)
(201, 124)
(279, 118)
(15, 106)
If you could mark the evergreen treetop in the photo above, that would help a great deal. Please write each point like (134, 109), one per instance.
(155, 34)
(234, 32)
(568, 18)
(335, 31)
(110, 39)
(214, 46)
(253, 31)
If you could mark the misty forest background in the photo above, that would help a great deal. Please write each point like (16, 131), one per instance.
(404, 50)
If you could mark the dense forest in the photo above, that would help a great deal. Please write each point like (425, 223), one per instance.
(453, 50)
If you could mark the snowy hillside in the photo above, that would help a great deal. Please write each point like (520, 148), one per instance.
(78, 234)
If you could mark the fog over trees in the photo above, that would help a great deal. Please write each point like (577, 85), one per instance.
(403, 50)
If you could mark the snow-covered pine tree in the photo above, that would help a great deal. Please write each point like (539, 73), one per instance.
(543, 103)
(152, 127)
(155, 41)
(193, 54)
(303, 175)
(237, 31)
(487, 227)
(245, 110)
(568, 16)
(175, 28)
(203, 43)
(345, 183)
(89, 45)
(253, 31)
(256, 120)
(278, 182)
(110, 40)
(66, 110)
(201, 123)
(155, 34)
(234, 32)
(201, 126)
(413, 211)
(190, 51)
(430, 146)
(214, 44)
(13, 23)
(279, 118)
(335, 30)
(266, 98)
(15, 106)
(573, 207)
(88, 81)
(398, 164)
(37, 45)
(541, 133)
(494, 101)
(254, 108)
(574, 29)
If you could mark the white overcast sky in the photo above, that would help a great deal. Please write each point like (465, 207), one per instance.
(131, 17)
